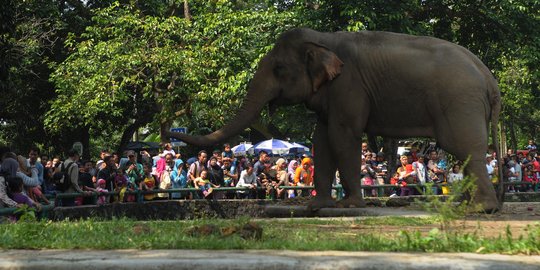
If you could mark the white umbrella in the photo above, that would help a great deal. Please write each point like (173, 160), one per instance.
(273, 146)
(298, 148)
(241, 149)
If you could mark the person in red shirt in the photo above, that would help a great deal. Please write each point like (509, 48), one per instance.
(406, 176)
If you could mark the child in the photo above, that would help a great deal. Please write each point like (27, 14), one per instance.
(101, 187)
(121, 185)
(204, 184)
(15, 187)
(148, 183)
(529, 177)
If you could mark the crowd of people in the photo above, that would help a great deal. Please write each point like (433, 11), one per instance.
(117, 177)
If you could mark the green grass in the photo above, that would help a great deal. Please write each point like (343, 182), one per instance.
(293, 234)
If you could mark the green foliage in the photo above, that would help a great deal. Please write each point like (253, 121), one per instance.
(455, 206)
(26, 213)
(103, 66)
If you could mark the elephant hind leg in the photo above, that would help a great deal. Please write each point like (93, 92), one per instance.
(465, 136)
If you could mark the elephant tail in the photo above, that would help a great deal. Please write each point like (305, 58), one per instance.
(495, 101)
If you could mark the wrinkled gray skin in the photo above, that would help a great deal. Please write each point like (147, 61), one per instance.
(381, 83)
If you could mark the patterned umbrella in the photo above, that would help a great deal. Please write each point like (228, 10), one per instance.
(298, 148)
(241, 149)
(273, 146)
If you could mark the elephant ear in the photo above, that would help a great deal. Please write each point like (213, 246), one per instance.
(322, 64)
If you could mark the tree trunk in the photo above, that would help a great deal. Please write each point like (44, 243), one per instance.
(390, 154)
(512, 131)
(187, 15)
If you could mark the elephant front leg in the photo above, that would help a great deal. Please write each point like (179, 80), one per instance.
(325, 169)
(349, 159)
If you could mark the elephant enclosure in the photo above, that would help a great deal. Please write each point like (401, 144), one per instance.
(515, 216)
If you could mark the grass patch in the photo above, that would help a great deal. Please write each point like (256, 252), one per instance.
(293, 234)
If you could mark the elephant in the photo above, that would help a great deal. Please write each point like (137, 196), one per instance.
(378, 83)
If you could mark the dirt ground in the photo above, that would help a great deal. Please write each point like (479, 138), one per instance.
(518, 216)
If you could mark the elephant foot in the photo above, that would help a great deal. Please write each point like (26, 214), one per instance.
(317, 203)
(489, 207)
(352, 202)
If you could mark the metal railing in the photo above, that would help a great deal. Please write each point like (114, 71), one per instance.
(139, 194)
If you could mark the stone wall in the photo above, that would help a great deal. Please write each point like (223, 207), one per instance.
(165, 210)
(195, 209)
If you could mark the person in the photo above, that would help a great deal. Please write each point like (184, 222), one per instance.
(436, 174)
(230, 176)
(531, 146)
(455, 175)
(36, 166)
(178, 178)
(116, 159)
(514, 173)
(489, 166)
(101, 188)
(227, 152)
(381, 168)
(165, 175)
(367, 176)
(303, 176)
(260, 166)
(248, 179)
(29, 177)
(420, 171)
(167, 149)
(282, 178)
(133, 169)
(16, 187)
(198, 166)
(148, 183)
(48, 171)
(205, 185)
(215, 174)
(8, 169)
(405, 175)
(217, 155)
(73, 172)
(85, 180)
(291, 170)
(530, 177)
(108, 172)
(195, 170)
(365, 149)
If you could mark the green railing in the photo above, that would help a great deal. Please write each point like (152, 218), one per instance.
(139, 194)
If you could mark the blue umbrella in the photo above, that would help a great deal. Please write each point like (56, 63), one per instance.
(298, 148)
(241, 149)
(273, 146)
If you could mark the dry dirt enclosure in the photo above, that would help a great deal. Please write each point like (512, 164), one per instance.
(516, 216)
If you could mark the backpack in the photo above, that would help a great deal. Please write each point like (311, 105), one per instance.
(61, 179)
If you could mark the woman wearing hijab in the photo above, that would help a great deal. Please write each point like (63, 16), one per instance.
(281, 176)
(303, 175)
(291, 170)
(9, 169)
(179, 178)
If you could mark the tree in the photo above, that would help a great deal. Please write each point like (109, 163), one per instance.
(130, 70)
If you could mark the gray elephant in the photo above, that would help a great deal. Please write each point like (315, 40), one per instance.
(378, 83)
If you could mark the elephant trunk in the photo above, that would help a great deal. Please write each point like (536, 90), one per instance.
(250, 110)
